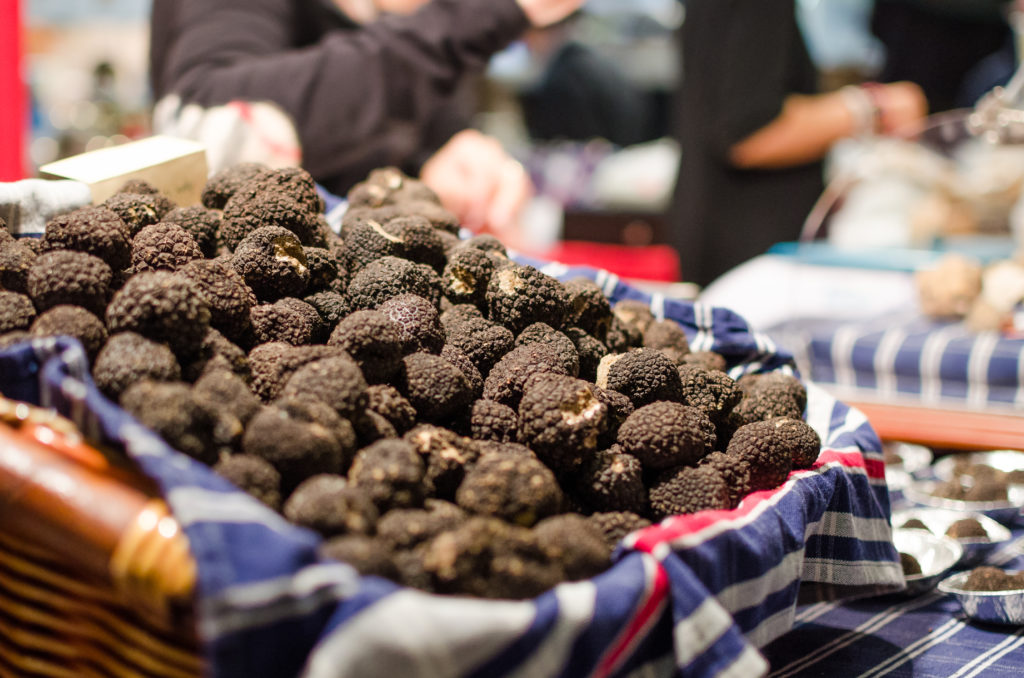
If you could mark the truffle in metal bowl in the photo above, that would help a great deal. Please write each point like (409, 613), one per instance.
(992, 607)
(1009, 463)
(952, 524)
(936, 555)
(923, 493)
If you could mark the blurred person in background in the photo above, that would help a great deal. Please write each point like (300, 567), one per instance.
(342, 87)
(753, 131)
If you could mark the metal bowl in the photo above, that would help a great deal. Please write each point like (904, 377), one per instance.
(916, 458)
(1002, 460)
(993, 607)
(938, 521)
(920, 493)
(936, 555)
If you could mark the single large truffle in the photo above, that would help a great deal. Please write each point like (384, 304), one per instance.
(201, 223)
(225, 292)
(67, 277)
(336, 381)
(330, 505)
(252, 475)
(170, 409)
(128, 357)
(389, 277)
(436, 389)
(518, 296)
(289, 320)
(611, 480)
(518, 489)
(273, 263)
(688, 489)
(94, 230)
(391, 473)
(373, 341)
(297, 449)
(73, 321)
(163, 247)
(417, 321)
(163, 306)
(16, 312)
(645, 375)
(666, 434)
(560, 418)
(767, 447)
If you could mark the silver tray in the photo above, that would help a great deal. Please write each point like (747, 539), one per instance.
(936, 555)
(920, 493)
(993, 607)
(938, 521)
(1002, 460)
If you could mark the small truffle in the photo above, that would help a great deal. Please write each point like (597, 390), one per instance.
(273, 363)
(766, 446)
(518, 296)
(389, 277)
(15, 261)
(331, 506)
(615, 525)
(688, 489)
(408, 528)
(668, 337)
(560, 418)
(447, 455)
(505, 382)
(772, 394)
(589, 309)
(645, 375)
(666, 434)
(163, 247)
(417, 321)
(709, 390)
(128, 357)
(391, 473)
(16, 312)
(611, 480)
(290, 320)
(386, 401)
(373, 341)
(575, 543)
(136, 210)
(735, 471)
(272, 262)
(336, 381)
(436, 389)
(225, 292)
(490, 420)
(94, 230)
(465, 276)
(541, 333)
(483, 342)
(201, 223)
(519, 489)
(163, 306)
(225, 183)
(297, 449)
(968, 528)
(67, 277)
(170, 409)
(73, 321)
(252, 475)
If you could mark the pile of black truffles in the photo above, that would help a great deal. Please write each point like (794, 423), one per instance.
(442, 415)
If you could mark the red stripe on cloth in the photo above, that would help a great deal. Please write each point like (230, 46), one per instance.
(678, 526)
(656, 597)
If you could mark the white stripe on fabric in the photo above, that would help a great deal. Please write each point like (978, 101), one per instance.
(918, 647)
(658, 305)
(991, 656)
(814, 611)
(554, 269)
(417, 635)
(851, 572)
(885, 361)
(819, 410)
(842, 352)
(982, 349)
(197, 505)
(576, 604)
(141, 442)
(740, 596)
(704, 338)
(839, 524)
(851, 636)
(772, 627)
(931, 363)
(700, 630)
(750, 664)
(275, 600)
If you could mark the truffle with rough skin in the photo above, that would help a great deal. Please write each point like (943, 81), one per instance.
(15, 261)
(371, 426)
(336, 381)
(252, 475)
(373, 341)
(490, 420)
(297, 449)
(216, 352)
(244, 214)
(73, 321)
(272, 262)
(519, 489)
(518, 296)
(224, 290)
(163, 306)
(324, 269)
(455, 313)
(645, 376)
(619, 409)
(611, 480)
(988, 578)
(447, 456)
(635, 317)
(391, 472)
(542, 333)
(802, 440)
(589, 350)
(408, 528)
(465, 276)
(170, 409)
(766, 446)
(128, 357)
(711, 391)
(163, 247)
(621, 338)
(482, 341)
(225, 183)
(772, 394)
(486, 242)
(331, 306)
(465, 365)
(615, 525)
(366, 240)
(369, 556)
(330, 505)
(68, 277)
(505, 381)
(709, 360)
(271, 364)
(389, 186)
(137, 210)
(666, 434)
(94, 230)
(417, 321)
(437, 389)
(16, 312)
(735, 471)
(294, 183)
(589, 308)
(201, 223)
(418, 240)
(386, 401)
(668, 337)
(310, 409)
(560, 418)
(290, 320)
(225, 390)
(389, 277)
(575, 543)
(688, 489)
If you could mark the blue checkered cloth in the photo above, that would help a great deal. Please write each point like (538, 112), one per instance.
(910, 358)
(695, 595)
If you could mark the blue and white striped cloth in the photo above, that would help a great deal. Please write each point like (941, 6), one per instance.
(694, 595)
(918, 359)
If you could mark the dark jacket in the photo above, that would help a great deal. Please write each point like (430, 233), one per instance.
(360, 97)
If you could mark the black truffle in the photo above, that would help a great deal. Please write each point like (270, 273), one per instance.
(331, 306)
(590, 352)
(386, 401)
(506, 379)
(668, 337)
(391, 472)
(734, 470)
(519, 489)
(289, 320)
(336, 381)
(709, 360)
(436, 388)
(611, 480)
(252, 475)
(542, 333)
(170, 409)
(560, 418)
(330, 505)
(465, 365)
(447, 455)
(666, 434)
(163, 247)
(589, 309)
(711, 391)
(373, 341)
(482, 341)
(244, 214)
(297, 449)
(325, 271)
(367, 555)
(225, 183)
(518, 296)
(201, 223)
(163, 306)
(16, 312)
(615, 525)
(73, 321)
(128, 357)
(644, 375)
(766, 446)
(772, 394)
(224, 290)
(273, 263)
(688, 489)
(408, 528)
(490, 420)
(136, 210)
(465, 276)
(575, 543)
(224, 390)
(417, 321)
(15, 261)
(390, 277)
(273, 363)
(67, 277)
(94, 230)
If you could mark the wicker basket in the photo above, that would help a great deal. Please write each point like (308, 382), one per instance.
(96, 577)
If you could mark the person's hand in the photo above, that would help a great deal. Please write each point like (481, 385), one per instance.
(480, 183)
(546, 12)
(900, 104)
